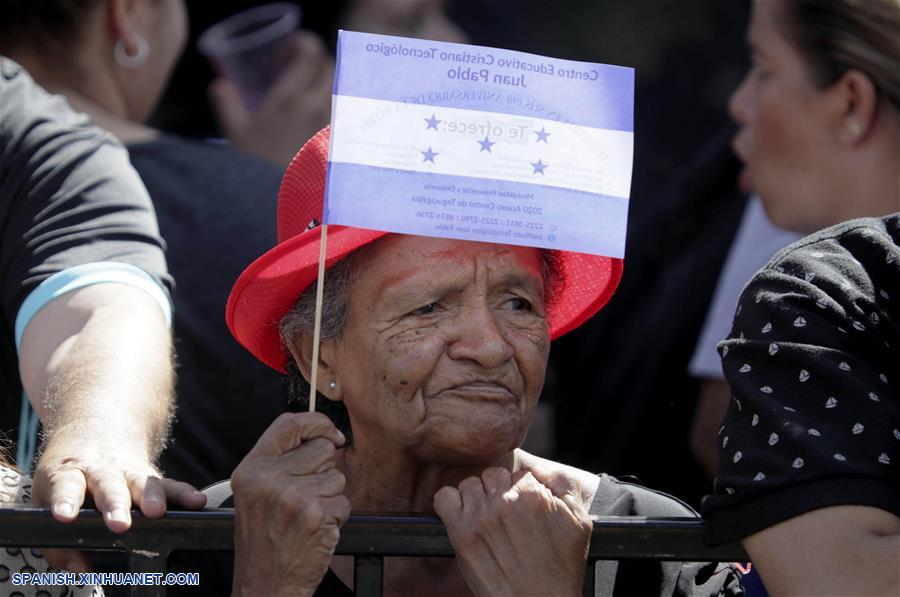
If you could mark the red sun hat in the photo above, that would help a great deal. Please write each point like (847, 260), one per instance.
(271, 285)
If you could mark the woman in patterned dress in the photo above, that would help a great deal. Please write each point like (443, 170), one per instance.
(809, 466)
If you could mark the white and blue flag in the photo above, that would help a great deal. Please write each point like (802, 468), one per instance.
(476, 143)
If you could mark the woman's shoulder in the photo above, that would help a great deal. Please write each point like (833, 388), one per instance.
(605, 495)
(861, 253)
(616, 497)
(843, 277)
(209, 155)
(190, 176)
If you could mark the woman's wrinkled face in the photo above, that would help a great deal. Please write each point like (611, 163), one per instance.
(445, 347)
(783, 134)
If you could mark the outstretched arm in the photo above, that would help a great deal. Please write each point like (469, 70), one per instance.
(96, 364)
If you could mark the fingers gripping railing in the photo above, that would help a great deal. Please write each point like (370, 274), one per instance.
(369, 538)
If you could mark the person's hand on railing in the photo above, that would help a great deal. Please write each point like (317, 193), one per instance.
(517, 533)
(289, 507)
(113, 481)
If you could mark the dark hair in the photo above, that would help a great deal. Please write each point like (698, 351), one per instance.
(335, 300)
(835, 36)
(25, 19)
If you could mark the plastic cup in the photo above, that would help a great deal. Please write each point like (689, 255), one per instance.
(252, 48)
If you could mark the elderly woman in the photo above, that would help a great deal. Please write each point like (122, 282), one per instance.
(810, 447)
(432, 358)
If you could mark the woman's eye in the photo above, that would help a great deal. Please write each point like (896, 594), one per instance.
(519, 304)
(425, 310)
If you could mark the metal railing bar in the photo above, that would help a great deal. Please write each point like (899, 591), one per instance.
(667, 539)
(368, 576)
(367, 536)
(144, 560)
(613, 538)
(589, 584)
(35, 527)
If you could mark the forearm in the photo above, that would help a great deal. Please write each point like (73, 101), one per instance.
(102, 375)
(126, 404)
(842, 550)
(866, 568)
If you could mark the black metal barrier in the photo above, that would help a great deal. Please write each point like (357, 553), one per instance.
(368, 537)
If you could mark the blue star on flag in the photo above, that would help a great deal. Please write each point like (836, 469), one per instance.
(429, 155)
(538, 167)
(542, 135)
(486, 145)
(432, 122)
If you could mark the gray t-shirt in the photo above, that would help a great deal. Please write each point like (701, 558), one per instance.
(68, 196)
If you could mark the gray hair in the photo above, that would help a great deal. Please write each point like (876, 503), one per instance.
(335, 301)
(301, 319)
(335, 298)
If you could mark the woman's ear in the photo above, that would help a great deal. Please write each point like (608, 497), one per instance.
(857, 104)
(302, 348)
(126, 23)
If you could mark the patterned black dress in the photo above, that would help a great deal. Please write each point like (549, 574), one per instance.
(813, 362)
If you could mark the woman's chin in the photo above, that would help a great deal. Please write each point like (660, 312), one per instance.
(471, 445)
(785, 216)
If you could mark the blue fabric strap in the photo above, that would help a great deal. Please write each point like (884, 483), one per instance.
(55, 286)
(25, 447)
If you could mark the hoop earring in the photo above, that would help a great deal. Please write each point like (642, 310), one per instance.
(142, 50)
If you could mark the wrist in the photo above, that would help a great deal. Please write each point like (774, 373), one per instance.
(70, 444)
(254, 576)
(571, 586)
(253, 589)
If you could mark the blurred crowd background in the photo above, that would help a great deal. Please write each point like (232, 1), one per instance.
(689, 55)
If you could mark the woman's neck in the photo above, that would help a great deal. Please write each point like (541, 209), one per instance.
(125, 130)
(869, 184)
(89, 90)
(401, 482)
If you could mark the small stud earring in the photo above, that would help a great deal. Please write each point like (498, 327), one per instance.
(332, 385)
(127, 59)
(855, 128)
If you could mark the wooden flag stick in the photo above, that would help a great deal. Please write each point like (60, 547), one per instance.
(317, 329)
